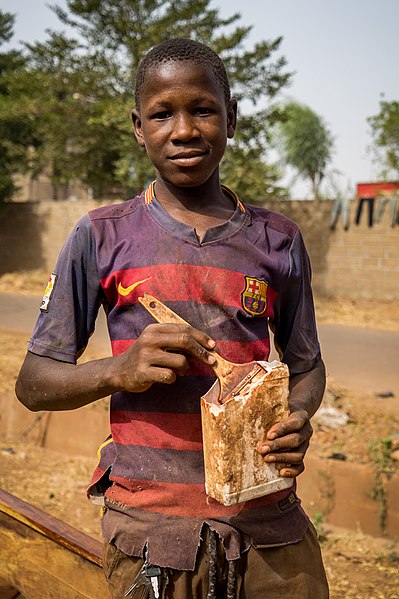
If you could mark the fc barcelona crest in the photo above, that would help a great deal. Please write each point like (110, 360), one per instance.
(254, 296)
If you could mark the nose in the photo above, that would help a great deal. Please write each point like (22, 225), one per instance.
(184, 128)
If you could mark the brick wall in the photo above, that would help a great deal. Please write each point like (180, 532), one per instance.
(362, 262)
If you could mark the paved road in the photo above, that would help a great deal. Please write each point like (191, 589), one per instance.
(356, 358)
(359, 358)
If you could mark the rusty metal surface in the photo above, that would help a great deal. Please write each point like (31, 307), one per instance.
(234, 469)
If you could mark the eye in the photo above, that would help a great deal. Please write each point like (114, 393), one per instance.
(162, 115)
(203, 111)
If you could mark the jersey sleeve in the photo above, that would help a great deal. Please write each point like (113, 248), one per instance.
(71, 301)
(294, 322)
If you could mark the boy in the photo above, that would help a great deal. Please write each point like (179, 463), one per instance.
(226, 268)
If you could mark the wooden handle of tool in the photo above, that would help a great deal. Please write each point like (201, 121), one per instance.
(159, 311)
(165, 315)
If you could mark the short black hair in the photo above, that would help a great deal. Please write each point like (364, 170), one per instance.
(179, 49)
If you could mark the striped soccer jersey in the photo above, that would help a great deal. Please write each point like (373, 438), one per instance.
(247, 272)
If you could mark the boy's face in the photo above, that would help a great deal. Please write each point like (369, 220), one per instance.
(184, 122)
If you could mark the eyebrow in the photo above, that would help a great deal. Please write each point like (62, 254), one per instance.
(166, 103)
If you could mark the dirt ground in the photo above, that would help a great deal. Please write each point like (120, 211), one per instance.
(358, 566)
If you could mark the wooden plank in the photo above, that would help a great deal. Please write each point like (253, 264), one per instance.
(41, 556)
(51, 527)
(7, 591)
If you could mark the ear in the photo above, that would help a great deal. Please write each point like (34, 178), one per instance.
(138, 131)
(231, 117)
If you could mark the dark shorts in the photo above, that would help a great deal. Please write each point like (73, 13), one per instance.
(295, 571)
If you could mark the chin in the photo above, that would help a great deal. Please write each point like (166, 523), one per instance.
(190, 179)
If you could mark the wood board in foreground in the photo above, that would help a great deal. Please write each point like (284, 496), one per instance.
(44, 558)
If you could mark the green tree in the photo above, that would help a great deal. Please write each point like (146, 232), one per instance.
(244, 166)
(15, 132)
(69, 100)
(306, 143)
(117, 33)
(385, 132)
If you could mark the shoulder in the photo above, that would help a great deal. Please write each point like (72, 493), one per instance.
(116, 211)
(81, 233)
(273, 221)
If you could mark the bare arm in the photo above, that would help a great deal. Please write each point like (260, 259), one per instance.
(287, 441)
(158, 356)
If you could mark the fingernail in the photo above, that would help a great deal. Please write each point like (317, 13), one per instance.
(211, 359)
(265, 448)
(270, 458)
(272, 436)
(211, 343)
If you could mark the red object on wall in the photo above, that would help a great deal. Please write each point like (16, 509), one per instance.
(371, 190)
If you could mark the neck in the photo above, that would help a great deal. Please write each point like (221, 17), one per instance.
(203, 198)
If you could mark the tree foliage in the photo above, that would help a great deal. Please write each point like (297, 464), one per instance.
(15, 132)
(122, 31)
(244, 167)
(82, 92)
(69, 105)
(385, 132)
(306, 143)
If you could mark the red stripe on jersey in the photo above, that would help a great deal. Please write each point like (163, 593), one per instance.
(121, 345)
(180, 282)
(96, 476)
(240, 353)
(172, 499)
(159, 431)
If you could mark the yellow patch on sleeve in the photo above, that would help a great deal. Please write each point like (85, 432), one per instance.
(48, 292)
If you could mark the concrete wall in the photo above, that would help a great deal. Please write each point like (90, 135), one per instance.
(362, 262)
(32, 233)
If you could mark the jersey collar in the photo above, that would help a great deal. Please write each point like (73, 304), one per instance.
(150, 195)
(183, 231)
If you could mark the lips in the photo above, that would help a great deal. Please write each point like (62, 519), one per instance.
(188, 158)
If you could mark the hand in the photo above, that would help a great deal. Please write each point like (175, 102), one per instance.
(286, 443)
(159, 355)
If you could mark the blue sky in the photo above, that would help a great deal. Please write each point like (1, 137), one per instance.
(344, 54)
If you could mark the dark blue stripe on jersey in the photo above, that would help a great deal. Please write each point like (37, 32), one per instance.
(226, 323)
(160, 465)
(183, 397)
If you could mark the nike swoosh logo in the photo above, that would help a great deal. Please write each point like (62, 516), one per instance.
(126, 290)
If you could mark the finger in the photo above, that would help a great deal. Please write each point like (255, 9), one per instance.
(169, 360)
(156, 374)
(292, 471)
(165, 375)
(287, 443)
(143, 380)
(199, 336)
(186, 342)
(285, 458)
(202, 338)
(295, 422)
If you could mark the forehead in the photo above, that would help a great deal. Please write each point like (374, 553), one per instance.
(180, 79)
